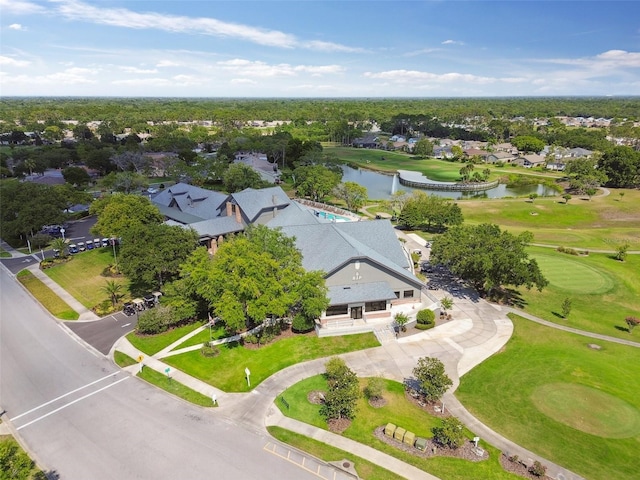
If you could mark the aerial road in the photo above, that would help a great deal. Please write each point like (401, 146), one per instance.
(83, 418)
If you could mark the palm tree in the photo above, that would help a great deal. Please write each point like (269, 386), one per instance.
(60, 245)
(113, 289)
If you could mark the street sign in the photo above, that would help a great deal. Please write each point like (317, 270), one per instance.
(167, 370)
(140, 358)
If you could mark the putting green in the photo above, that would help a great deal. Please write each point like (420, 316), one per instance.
(572, 275)
(587, 409)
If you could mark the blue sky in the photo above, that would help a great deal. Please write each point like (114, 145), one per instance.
(184, 48)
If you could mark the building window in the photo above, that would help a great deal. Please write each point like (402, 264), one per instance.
(375, 306)
(397, 294)
(408, 294)
(337, 310)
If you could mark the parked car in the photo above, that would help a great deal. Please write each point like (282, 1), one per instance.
(81, 247)
(73, 248)
(89, 244)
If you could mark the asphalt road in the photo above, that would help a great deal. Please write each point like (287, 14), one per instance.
(103, 334)
(83, 418)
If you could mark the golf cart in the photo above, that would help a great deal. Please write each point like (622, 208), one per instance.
(129, 309)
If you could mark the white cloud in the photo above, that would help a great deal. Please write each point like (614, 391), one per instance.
(452, 42)
(17, 26)
(12, 62)
(423, 51)
(125, 18)
(137, 70)
(247, 68)
(167, 63)
(243, 81)
(410, 76)
(19, 7)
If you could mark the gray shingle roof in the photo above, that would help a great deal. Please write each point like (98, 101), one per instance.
(253, 202)
(329, 246)
(217, 226)
(364, 292)
(198, 202)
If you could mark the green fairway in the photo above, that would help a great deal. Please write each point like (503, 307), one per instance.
(604, 222)
(573, 276)
(603, 291)
(587, 409)
(226, 370)
(82, 276)
(541, 389)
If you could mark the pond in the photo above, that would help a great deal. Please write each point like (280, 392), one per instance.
(380, 186)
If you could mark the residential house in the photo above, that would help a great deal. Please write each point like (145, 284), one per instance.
(499, 156)
(368, 141)
(530, 161)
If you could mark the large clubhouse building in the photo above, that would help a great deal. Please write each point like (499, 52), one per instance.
(368, 273)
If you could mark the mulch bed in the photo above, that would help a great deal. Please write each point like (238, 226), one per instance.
(519, 469)
(433, 449)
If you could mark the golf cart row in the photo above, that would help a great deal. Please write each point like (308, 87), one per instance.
(136, 305)
(90, 245)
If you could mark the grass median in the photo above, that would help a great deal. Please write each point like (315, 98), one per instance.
(47, 297)
(175, 388)
(400, 412)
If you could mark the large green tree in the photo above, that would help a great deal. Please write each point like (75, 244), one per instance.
(240, 176)
(423, 148)
(353, 194)
(429, 212)
(432, 378)
(487, 257)
(119, 213)
(528, 144)
(26, 207)
(584, 175)
(254, 276)
(341, 400)
(621, 164)
(315, 181)
(151, 254)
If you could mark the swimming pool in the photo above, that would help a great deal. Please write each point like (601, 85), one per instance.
(331, 216)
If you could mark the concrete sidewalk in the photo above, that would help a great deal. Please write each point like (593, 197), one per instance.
(84, 312)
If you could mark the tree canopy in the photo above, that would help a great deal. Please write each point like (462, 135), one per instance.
(429, 212)
(432, 378)
(344, 391)
(120, 212)
(353, 194)
(240, 176)
(487, 257)
(151, 254)
(253, 276)
(315, 181)
(622, 167)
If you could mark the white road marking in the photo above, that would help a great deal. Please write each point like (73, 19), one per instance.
(65, 395)
(125, 325)
(69, 404)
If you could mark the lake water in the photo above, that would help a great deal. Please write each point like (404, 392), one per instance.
(379, 187)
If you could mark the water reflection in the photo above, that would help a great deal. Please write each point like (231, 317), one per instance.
(380, 186)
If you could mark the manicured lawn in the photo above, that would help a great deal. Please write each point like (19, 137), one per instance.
(399, 412)
(82, 276)
(204, 336)
(4, 253)
(179, 390)
(226, 371)
(365, 469)
(49, 300)
(152, 344)
(551, 393)
(122, 359)
(603, 291)
(603, 223)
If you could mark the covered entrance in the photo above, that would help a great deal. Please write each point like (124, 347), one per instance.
(356, 313)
